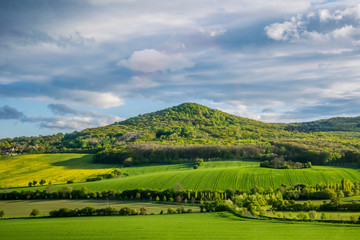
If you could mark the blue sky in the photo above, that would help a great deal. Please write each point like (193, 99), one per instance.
(69, 65)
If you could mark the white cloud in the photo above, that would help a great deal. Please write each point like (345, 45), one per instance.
(151, 60)
(285, 31)
(213, 32)
(325, 15)
(95, 99)
(345, 29)
(73, 123)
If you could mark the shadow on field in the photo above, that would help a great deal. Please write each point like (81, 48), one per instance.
(84, 162)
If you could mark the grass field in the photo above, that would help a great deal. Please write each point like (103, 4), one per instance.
(176, 226)
(57, 168)
(342, 216)
(18, 208)
(222, 175)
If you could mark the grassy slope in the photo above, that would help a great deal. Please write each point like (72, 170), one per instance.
(57, 168)
(330, 215)
(212, 175)
(20, 208)
(184, 226)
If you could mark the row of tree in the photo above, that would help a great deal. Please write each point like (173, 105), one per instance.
(320, 191)
(153, 153)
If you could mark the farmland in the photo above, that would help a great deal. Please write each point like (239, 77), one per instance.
(57, 168)
(221, 175)
(183, 226)
(18, 208)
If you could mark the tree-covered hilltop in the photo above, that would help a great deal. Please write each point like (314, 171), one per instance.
(348, 124)
(197, 130)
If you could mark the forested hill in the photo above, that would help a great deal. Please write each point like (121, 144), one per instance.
(348, 124)
(187, 123)
(191, 124)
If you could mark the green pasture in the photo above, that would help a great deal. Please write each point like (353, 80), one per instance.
(23, 208)
(330, 215)
(218, 175)
(175, 226)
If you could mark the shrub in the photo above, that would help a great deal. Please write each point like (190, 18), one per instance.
(35, 212)
(353, 219)
(303, 216)
(170, 211)
(312, 215)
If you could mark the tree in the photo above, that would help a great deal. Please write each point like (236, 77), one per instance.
(2, 213)
(42, 182)
(34, 182)
(30, 184)
(323, 216)
(143, 211)
(312, 215)
(170, 211)
(35, 212)
(303, 216)
(353, 219)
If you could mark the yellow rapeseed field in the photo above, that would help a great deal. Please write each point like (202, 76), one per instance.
(18, 171)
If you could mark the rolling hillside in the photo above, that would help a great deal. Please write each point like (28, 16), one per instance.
(220, 175)
(345, 124)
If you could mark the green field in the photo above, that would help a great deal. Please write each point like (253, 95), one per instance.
(57, 168)
(220, 175)
(342, 216)
(176, 226)
(20, 208)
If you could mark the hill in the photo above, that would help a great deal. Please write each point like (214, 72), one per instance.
(348, 124)
(200, 132)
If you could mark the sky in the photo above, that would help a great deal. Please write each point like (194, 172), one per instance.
(67, 65)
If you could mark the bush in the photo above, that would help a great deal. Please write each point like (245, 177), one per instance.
(35, 212)
(312, 215)
(303, 216)
(353, 219)
(170, 211)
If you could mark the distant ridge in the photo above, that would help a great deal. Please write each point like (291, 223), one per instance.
(346, 124)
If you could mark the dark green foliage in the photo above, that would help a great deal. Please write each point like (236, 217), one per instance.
(198, 163)
(151, 153)
(2, 213)
(351, 124)
(280, 163)
(35, 212)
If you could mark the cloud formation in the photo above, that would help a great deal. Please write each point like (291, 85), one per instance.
(81, 119)
(151, 60)
(7, 112)
(272, 61)
(321, 26)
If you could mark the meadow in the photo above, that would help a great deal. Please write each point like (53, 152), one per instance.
(217, 175)
(23, 208)
(58, 168)
(333, 215)
(175, 226)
